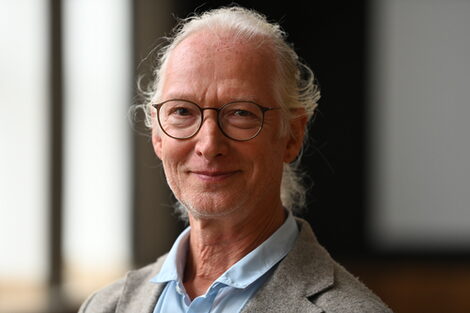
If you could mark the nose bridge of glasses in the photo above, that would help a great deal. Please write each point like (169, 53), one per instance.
(214, 109)
(205, 116)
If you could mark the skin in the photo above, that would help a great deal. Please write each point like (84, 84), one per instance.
(231, 188)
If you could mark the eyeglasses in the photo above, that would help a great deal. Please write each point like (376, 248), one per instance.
(237, 120)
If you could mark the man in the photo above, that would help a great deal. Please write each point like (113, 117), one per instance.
(228, 116)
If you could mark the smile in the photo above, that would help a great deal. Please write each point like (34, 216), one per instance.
(214, 176)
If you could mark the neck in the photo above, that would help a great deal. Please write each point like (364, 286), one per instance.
(217, 244)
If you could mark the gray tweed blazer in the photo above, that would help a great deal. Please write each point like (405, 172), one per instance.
(307, 280)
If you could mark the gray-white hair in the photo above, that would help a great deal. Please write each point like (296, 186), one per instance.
(297, 87)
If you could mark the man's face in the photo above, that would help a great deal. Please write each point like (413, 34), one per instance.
(209, 173)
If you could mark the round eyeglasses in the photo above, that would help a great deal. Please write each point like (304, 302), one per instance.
(237, 120)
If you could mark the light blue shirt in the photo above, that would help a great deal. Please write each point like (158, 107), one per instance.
(230, 292)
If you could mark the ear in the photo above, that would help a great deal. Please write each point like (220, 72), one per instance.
(296, 136)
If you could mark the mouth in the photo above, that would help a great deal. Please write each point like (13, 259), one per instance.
(214, 176)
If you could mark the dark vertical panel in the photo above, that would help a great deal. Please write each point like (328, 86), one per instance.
(154, 227)
(56, 130)
(56, 300)
(336, 158)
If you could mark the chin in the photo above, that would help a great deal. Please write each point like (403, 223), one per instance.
(209, 209)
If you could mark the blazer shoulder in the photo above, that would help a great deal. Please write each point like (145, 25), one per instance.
(107, 299)
(348, 294)
(325, 283)
(104, 300)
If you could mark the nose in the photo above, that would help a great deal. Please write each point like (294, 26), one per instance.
(211, 143)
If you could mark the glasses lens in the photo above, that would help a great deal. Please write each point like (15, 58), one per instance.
(241, 120)
(179, 118)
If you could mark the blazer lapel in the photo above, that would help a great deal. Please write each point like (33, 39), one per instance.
(306, 271)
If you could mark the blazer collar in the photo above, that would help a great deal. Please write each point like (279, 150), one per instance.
(305, 272)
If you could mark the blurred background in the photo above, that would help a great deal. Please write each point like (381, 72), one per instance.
(83, 198)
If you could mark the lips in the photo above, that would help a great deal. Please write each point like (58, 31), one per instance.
(214, 175)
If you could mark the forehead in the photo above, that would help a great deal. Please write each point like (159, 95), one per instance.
(208, 62)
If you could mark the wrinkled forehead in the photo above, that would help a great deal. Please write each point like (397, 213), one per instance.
(205, 57)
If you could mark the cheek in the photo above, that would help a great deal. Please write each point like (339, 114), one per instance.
(269, 166)
(277, 159)
(170, 156)
(173, 174)
(174, 149)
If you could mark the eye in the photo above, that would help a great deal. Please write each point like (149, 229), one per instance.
(181, 111)
(242, 113)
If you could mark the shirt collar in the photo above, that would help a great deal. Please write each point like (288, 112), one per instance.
(173, 267)
(250, 268)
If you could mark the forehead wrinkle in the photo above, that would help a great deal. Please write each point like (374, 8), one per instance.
(216, 50)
